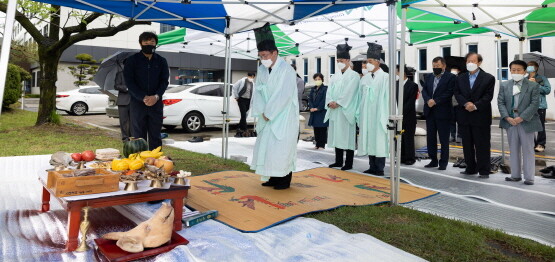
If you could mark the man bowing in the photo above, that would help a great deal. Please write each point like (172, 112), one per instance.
(373, 112)
(275, 104)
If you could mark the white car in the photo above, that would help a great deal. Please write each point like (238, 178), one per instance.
(196, 105)
(86, 99)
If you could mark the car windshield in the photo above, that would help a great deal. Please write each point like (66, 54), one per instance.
(178, 89)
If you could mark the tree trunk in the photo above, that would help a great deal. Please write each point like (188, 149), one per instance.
(49, 76)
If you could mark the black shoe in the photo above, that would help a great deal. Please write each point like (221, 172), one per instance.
(527, 182)
(550, 175)
(380, 173)
(468, 173)
(347, 168)
(462, 165)
(458, 163)
(284, 182)
(271, 182)
(442, 168)
(510, 179)
(369, 171)
(548, 169)
(431, 164)
(409, 162)
(335, 165)
(196, 139)
(483, 176)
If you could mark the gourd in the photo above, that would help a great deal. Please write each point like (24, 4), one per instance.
(134, 145)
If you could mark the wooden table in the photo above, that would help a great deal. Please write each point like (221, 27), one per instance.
(175, 193)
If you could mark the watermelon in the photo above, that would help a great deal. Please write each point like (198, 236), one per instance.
(134, 145)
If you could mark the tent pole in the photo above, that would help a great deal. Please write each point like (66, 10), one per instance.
(500, 79)
(521, 48)
(226, 99)
(392, 31)
(227, 89)
(6, 45)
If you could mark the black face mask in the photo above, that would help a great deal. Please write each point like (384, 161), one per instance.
(438, 71)
(148, 49)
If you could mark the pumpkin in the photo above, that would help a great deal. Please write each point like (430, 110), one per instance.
(134, 145)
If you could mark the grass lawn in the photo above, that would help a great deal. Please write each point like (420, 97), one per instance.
(430, 237)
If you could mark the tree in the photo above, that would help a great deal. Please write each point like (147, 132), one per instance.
(84, 72)
(12, 91)
(56, 39)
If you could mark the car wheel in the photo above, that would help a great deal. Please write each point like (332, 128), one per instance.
(79, 108)
(169, 127)
(304, 105)
(193, 122)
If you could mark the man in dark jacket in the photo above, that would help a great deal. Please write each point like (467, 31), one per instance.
(438, 109)
(410, 93)
(474, 92)
(122, 102)
(146, 76)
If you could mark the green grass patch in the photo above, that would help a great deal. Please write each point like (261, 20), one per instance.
(430, 237)
(32, 96)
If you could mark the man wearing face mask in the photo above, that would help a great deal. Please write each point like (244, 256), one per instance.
(373, 113)
(518, 103)
(242, 91)
(474, 92)
(341, 106)
(275, 104)
(545, 89)
(409, 118)
(364, 68)
(438, 109)
(146, 75)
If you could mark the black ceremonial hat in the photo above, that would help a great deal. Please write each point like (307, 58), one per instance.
(343, 51)
(265, 38)
(374, 51)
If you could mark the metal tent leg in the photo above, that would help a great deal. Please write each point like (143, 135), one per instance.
(6, 45)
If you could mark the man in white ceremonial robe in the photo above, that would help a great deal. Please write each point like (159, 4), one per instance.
(341, 105)
(275, 104)
(373, 113)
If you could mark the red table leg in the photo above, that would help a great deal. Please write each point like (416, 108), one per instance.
(177, 204)
(73, 219)
(45, 200)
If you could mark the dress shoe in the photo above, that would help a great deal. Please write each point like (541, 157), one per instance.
(347, 168)
(335, 165)
(431, 164)
(528, 182)
(547, 170)
(549, 175)
(483, 176)
(379, 173)
(468, 173)
(284, 182)
(409, 162)
(457, 164)
(442, 168)
(512, 179)
(271, 182)
(369, 171)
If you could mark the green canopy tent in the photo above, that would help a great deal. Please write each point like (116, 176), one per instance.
(171, 37)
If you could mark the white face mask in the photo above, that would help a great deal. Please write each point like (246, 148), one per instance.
(517, 77)
(250, 79)
(341, 65)
(370, 67)
(396, 77)
(454, 72)
(364, 71)
(267, 63)
(471, 67)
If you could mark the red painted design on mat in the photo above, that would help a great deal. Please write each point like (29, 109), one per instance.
(261, 200)
(332, 178)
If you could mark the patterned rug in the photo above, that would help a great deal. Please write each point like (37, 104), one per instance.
(245, 205)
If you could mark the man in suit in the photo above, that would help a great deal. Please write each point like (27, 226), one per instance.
(518, 102)
(474, 92)
(410, 93)
(438, 110)
(123, 104)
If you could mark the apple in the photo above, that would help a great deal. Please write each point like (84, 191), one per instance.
(88, 155)
(76, 157)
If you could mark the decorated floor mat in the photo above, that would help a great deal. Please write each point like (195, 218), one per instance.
(244, 204)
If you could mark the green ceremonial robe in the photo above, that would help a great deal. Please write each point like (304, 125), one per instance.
(343, 90)
(275, 96)
(373, 114)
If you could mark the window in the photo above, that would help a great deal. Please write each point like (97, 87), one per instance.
(382, 56)
(536, 45)
(222, 90)
(318, 65)
(332, 66)
(178, 89)
(305, 70)
(93, 90)
(34, 79)
(422, 59)
(294, 61)
(209, 90)
(398, 57)
(473, 48)
(45, 30)
(446, 51)
(504, 61)
(166, 28)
